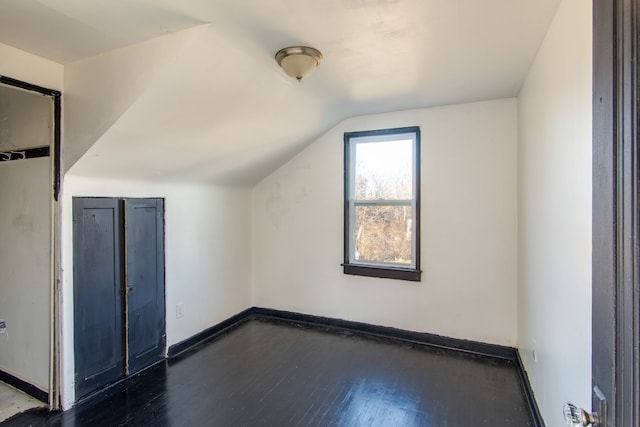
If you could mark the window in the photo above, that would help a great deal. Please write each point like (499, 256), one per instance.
(382, 203)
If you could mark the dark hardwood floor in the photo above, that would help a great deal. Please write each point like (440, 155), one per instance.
(278, 373)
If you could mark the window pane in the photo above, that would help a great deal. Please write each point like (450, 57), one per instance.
(382, 203)
(383, 234)
(383, 170)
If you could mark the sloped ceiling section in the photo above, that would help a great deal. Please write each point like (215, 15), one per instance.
(214, 107)
(198, 123)
(99, 91)
(68, 30)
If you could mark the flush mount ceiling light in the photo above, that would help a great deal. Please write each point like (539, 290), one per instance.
(298, 61)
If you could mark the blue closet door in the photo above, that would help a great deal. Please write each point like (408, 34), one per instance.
(119, 295)
(144, 237)
(98, 293)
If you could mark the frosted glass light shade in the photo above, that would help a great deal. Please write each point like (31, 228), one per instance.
(298, 61)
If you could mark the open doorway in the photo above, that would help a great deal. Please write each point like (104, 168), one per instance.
(29, 187)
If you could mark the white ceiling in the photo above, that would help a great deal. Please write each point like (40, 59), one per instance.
(235, 112)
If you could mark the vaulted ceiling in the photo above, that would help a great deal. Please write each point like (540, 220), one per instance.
(188, 90)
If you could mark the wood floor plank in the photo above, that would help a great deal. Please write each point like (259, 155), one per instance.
(279, 373)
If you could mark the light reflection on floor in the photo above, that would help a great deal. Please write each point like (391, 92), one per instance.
(375, 402)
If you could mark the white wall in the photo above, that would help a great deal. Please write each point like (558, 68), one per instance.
(25, 269)
(207, 255)
(25, 119)
(469, 230)
(33, 69)
(554, 159)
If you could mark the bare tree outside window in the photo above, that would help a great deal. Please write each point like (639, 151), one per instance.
(384, 173)
(381, 202)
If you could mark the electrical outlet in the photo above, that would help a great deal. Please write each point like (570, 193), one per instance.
(179, 310)
(3, 326)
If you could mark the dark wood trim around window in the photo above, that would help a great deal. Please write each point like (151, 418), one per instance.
(399, 273)
(409, 274)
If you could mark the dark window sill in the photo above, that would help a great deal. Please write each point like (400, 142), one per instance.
(383, 272)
